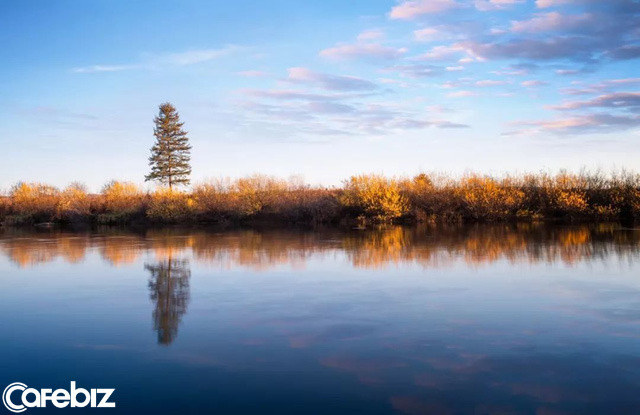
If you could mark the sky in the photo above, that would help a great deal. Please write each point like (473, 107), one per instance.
(319, 89)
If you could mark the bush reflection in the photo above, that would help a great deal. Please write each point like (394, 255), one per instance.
(427, 246)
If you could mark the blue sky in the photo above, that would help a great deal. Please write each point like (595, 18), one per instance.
(319, 89)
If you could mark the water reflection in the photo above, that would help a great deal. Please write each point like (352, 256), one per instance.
(427, 246)
(169, 291)
(506, 319)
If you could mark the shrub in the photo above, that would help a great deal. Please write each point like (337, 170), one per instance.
(170, 205)
(214, 200)
(258, 193)
(487, 199)
(374, 196)
(569, 196)
(625, 190)
(122, 197)
(35, 201)
(423, 198)
(5, 206)
(74, 202)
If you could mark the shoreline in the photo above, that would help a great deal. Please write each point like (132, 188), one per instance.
(361, 201)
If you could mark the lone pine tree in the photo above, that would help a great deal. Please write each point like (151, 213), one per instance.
(171, 153)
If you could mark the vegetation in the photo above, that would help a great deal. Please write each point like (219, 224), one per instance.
(364, 199)
(171, 153)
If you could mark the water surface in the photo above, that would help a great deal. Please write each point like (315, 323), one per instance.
(521, 319)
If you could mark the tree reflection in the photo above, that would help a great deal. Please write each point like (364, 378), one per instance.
(170, 292)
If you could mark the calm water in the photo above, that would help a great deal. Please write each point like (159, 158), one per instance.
(469, 320)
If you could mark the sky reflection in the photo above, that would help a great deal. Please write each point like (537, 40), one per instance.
(479, 320)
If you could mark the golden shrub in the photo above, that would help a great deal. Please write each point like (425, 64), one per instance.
(35, 199)
(375, 196)
(214, 198)
(122, 197)
(74, 201)
(170, 205)
(257, 193)
(5, 206)
(571, 201)
(486, 198)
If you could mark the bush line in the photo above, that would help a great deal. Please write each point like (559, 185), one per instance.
(362, 199)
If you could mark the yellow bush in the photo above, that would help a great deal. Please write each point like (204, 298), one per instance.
(571, 201)
(257, 192)
(5, 206)
(375, 196)
(74, 201)
(423, 198)
(214, 198)
(35, 199)
(122, 197)
(170, 205)
(486, 198)
(568, 194)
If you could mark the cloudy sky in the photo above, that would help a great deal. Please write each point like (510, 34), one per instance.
(322, 89)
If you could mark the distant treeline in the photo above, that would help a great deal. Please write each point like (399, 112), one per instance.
(361, 199)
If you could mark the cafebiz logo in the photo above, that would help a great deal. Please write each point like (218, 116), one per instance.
(17, 397)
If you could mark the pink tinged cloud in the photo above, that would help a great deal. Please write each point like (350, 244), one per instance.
(543, 4)
(486, 5)
(567, 71)
(546, 22)
(408, 10)
(619, 100)
(490, 82)
(580, 124)
(602, 86)
(427, 34)
(532, 83)
(441, 53)
(367, 51)
(329, 82)
(461, 94)
(622, 111)
(372, 34)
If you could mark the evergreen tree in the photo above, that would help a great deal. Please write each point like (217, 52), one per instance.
(171, 153)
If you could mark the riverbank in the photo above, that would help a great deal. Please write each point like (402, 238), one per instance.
(362, 200)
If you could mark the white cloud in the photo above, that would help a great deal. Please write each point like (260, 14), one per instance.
(441, 53)
(330, 82)
(532, 83)
(427, 34)
(546, 22)
(490, 82)
(627, 101)
(606, 85)
(543, 4)
(371, 34)
(103, 68)
(486, 5)
(366, 51)
(192, 57)
(416, 8)
(189, 57)
(461, 94)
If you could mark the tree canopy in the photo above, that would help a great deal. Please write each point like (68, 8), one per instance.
(170, 158)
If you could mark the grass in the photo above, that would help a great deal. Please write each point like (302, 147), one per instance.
(362, 199)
